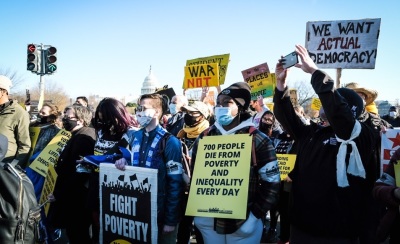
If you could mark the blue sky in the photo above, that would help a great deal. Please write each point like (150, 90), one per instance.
(106, 47)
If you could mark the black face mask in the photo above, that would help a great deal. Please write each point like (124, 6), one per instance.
(104, 126)
(69, 124)
(43, 119)
(252, 109)
(190, 120)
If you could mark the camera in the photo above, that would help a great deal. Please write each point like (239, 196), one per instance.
(289, 60)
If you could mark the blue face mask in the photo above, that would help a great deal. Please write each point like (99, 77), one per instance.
(223, 115)
(172, 108)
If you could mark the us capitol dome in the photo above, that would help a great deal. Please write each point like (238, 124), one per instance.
(150, 84)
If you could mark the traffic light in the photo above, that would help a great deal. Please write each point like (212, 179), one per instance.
(51, 60)
(33, 58)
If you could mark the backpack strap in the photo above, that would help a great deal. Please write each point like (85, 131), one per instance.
(185, 152)
(252, 130)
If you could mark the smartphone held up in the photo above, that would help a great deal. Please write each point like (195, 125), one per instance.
(289, 60)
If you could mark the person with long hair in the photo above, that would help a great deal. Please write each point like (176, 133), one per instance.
(111, 122)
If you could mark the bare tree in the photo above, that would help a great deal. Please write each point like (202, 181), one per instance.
(16, 78)
(305, 94)
(53, 91)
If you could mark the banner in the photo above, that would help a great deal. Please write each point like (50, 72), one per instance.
(346, 44)
(285, 163)
(128, 205)
(202, 75)
(48, 187)
(390, 143)
(50, 153)
(222, 61)
(221, 177)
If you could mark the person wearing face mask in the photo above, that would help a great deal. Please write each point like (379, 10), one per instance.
(393, 117)
(47, 121)
(70, 210)
(111, 121)
(195, 118)
(334, 173)
(175, 122)
(269, 125)
(232, 117)
(145, 144)
(259, 108)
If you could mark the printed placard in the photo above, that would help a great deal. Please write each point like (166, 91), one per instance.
(346, 44)
(50, 153)
(222, 61)
(316, 104)
(389, 144)
(221, 177)
(256, 73)
(48, 187)
(128, 205)
(203, 75)
(34, 132)
(285, 163)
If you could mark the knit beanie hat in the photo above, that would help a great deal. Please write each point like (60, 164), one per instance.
(353, 99)
(240, 92)
(5, 83)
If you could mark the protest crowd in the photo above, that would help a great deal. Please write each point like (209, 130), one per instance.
(232, 170)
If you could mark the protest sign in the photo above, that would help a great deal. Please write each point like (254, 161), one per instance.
(316, 104)
(221, 177)
(261, 82)
(50, 153)
(34, 135)
(285, 163)
(202, 75)
(222, 61)
(347, 44)
(128, 205)
(48, 187)
(389, 144)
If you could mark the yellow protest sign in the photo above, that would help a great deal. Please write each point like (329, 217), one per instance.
(270, 106)
(397, 173)
(285, 163)
(316, 104)
(203, 75)
(48, 186)
(219, 186)
(50, 153)
(34, 135)
(222, 61)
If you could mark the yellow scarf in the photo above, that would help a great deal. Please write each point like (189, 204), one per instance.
(372, 108)
(193, 132)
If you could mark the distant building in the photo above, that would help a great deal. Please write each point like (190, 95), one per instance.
(383, 106)
(150, 84)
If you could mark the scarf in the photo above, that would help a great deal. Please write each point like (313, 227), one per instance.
(246, 123)
(193, 132)
(152, 149)
(356, 167)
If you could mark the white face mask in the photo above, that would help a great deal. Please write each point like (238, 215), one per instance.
(223, 115)
(172, 108)
(392, 114)
(144, 118)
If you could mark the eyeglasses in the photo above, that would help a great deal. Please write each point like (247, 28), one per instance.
(141, 108)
